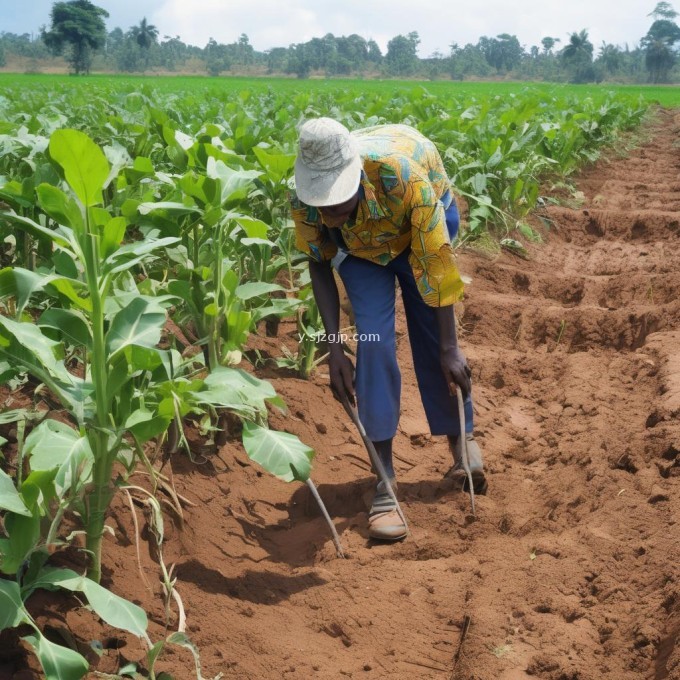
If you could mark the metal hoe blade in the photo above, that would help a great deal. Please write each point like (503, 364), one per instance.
(373, 456)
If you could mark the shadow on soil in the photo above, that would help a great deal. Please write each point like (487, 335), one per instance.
(259, 587)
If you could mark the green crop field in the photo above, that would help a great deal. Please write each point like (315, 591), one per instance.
(129, 203)
(668, 96)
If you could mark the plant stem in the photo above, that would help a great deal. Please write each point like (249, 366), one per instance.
(54, 527)
(21, 429)
(102, 492)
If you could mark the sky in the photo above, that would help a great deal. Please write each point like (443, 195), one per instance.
(439, 23)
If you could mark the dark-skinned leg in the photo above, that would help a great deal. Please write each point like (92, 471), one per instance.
(384, 451)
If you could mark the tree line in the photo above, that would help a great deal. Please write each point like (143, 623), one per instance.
(77, 31)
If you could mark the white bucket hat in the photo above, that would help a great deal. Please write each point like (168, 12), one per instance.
(328, 166)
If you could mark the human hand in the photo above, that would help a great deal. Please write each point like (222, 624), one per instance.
(456, 370)
(341, 371)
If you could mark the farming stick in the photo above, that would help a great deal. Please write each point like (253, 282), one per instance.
(374, 457)
(463, 448)
(317, 497)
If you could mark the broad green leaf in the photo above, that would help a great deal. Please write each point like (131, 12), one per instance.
(69, 289)
(38, 489)
(55, 445)
(135, 325)
(71, 324)
(130, 254)
(60, 207)
(27, 348)
(118, 376)
(276, 307)
(24, 342)
(495, 158)
(83, 162)
(278, 166)
(161, 362)
(12, 611)
(38, 230)
(10, 498)
(478, 183)
(99, 216)
(202, 188)
(8, 371)
(246, 291)
(58, 663)
(253, 228)
(167, 206)
(234, 183)
(257, 242)
(23, 532)
(236, 385)
(146, 425)
(23, 284)
(118, 156)
(64, 264)
(114, 233)
(111, 608)
(280, 453)
(131, 668)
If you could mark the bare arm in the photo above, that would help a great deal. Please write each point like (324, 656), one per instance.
(327, 299)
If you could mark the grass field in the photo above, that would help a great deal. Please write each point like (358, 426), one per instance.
(668, 96)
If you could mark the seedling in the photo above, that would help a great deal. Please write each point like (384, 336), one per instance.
(563, 325)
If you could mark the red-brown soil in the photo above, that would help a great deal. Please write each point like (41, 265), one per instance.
(571, 570)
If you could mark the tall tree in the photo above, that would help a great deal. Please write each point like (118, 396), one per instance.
(659, 43)
(79, 25)
(374, 54)
(243, 51)
(401, 58)
(663, 10)
(610, 58)
(548, 44)
(577, 56)
(145, 35)
(502, 52)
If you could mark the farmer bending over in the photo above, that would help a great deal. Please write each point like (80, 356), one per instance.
(375, 204)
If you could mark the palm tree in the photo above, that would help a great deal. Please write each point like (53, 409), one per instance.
(610, 57)
(145, 35)
(577, 56)
(579, 47)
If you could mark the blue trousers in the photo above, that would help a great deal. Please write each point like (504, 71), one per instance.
(371, 291)
(451, 213)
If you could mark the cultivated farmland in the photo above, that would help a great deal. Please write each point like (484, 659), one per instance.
(157, 353)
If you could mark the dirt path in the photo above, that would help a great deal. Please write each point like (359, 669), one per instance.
(571, 571)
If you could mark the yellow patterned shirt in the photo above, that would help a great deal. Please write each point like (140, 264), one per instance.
(402, 182)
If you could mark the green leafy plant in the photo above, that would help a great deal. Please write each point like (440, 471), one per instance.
(58, 662)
